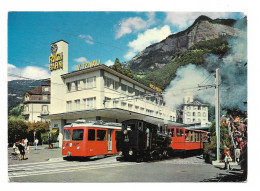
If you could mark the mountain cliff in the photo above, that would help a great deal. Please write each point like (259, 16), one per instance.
(204, 28)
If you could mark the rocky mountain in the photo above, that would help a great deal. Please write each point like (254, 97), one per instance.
(204, 28)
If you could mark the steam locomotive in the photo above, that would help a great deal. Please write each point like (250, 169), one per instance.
(139, 140)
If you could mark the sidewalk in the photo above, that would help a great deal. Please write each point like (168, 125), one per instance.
(43, 153)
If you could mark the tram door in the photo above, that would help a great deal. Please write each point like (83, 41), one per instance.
(109, 140)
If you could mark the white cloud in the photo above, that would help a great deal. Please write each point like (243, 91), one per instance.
(145, 39)
(134, 24)
(184, 19)
(88, 39)
(31, 72)
(109, 63)
(80, 59)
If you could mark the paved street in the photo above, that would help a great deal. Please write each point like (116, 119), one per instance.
(47, 165)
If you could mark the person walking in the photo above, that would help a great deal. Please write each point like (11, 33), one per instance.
(22, 152)
(36, 143)
(25, 143)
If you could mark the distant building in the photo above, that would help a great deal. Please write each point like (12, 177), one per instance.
(194, 113)
(36, 103)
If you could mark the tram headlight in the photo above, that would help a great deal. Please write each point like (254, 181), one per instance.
(131, 152)
(78, 148)
(63, 148)
(125, 132)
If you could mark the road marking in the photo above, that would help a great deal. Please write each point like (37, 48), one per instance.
(82, 168)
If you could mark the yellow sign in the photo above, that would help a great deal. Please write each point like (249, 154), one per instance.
(56, 61)
(89, 64)
(155, 88)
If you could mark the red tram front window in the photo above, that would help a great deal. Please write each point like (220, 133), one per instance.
(101, 135)
(91, 134)
(67, 134)
(77, 134)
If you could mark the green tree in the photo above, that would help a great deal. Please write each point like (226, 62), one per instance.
(118, 66)
(17, 130)
(128, 72)
(39, 128)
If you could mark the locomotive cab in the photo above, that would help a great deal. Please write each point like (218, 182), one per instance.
(139, 139)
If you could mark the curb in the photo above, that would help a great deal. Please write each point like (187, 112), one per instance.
(55, 159)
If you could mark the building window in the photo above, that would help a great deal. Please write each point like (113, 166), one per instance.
(68, 87)
(198, 114)
(123, 88)
(123, 104)
(193, 120)
(91, 82)
(115, 104)
(130, 90)
(77, 104)
(188, 113)
(130, 106)
(204, 114)
(69, 105)
(90, 103)
(188, 119)
(193, 114)
(76, 85)
(46, 88)
(173, 118)
(45, 109)
(110, 83)
(45, 97)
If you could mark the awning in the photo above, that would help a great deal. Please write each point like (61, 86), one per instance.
(54, 130)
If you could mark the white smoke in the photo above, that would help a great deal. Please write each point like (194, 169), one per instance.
(233, 78)
(187, 80)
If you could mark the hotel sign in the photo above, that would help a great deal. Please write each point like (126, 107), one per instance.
(56, 59)
(155, 88)
(89, 64)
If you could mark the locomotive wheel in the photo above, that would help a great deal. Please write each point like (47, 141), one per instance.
(165, 154)
(139, 159)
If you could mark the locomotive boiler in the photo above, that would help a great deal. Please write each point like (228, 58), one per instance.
(139, 140)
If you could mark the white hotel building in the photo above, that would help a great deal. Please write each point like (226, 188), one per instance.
(101, 93)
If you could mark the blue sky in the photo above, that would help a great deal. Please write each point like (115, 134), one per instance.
(91, 35)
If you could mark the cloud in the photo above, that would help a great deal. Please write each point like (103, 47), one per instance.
(88, 39)
(134, 24)
(145, 39)
(31, 72)
(184, 19)
(109, 63)
(80, 60)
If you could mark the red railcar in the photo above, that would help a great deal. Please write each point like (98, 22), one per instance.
(187, 139)
(87, 139)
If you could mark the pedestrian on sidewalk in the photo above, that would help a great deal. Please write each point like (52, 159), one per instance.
(227, 157)
(22, 152)
(25, 143)
(36, 143)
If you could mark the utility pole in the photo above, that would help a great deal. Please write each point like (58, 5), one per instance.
(217, 113)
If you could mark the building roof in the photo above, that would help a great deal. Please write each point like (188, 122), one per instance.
(109, 70)
(38, 91)
(196, 103)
